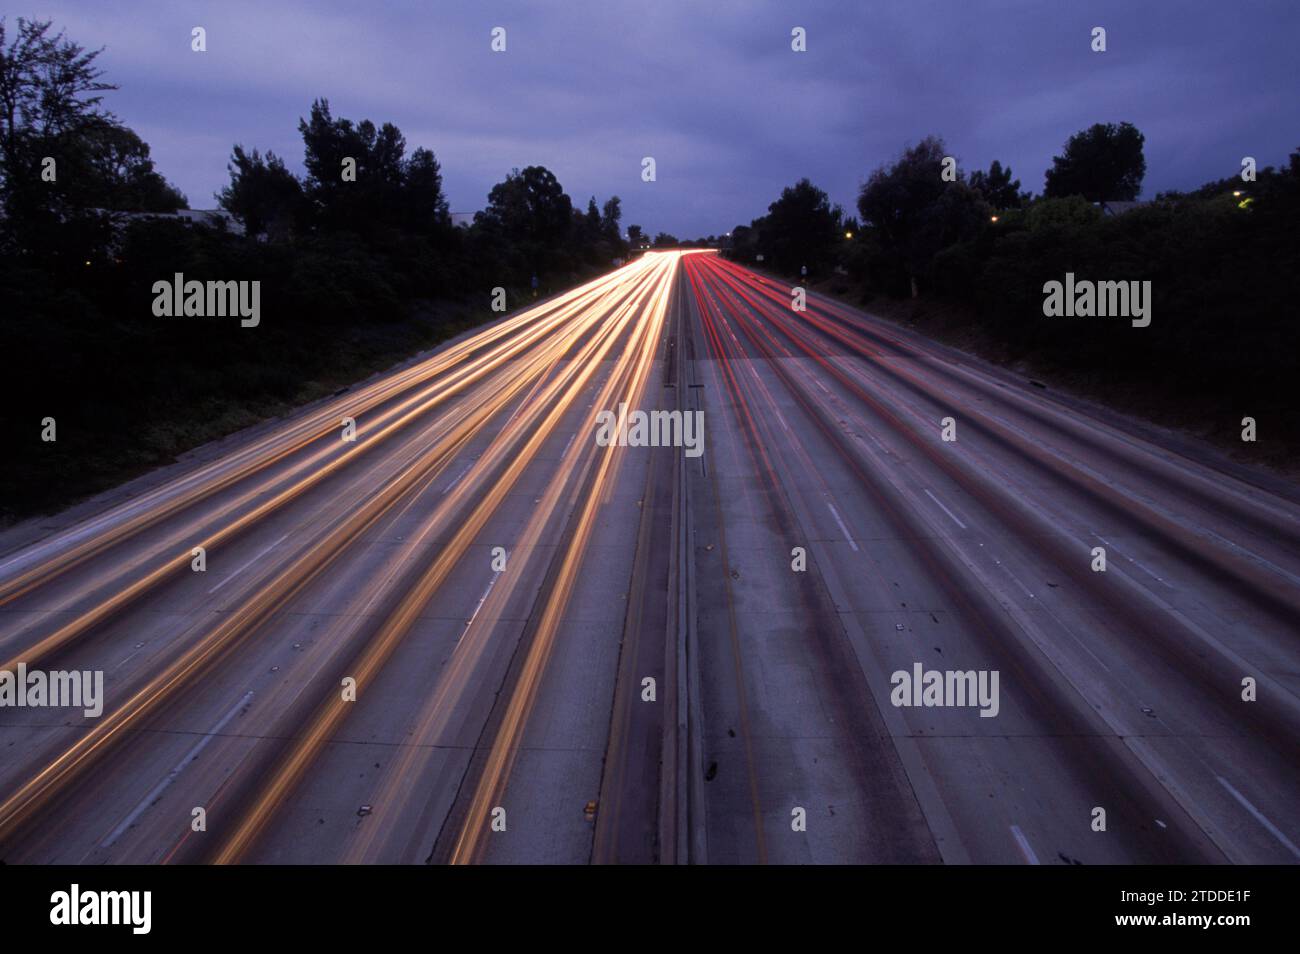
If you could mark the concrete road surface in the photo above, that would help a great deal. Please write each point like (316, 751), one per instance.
(888, 605)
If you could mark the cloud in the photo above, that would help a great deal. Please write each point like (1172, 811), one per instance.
(712, 91)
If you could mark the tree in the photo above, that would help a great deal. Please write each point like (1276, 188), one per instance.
(916, 212)
(262, 194)
(107, 166)
(591, 225)
(743, 241)
(122, 173)
(635, 236)
(49, 95)
(374, 197)
(425, 207)
(997, 187)
(529, 206)
(379, 188)
(1101, 163)
(610, 214)
(801, 228)
(664, 240)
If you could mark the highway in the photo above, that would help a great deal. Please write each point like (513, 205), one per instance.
(476, 633)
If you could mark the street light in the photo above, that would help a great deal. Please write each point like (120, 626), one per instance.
(993, 218)
(848, 235)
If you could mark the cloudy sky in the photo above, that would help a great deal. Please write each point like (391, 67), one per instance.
(711, 90)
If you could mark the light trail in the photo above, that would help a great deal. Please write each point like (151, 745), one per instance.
(335, 559)
(131, 518)
(122, 594)
(334, 711)
(111, 728)
(505, 748)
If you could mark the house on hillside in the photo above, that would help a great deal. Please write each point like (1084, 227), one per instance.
(1118, 207)
(212, 218)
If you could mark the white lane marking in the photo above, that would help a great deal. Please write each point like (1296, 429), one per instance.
(567, 444)
(171, 777)
(1134, 562)
(129, 656)
(1224, 541)
(1023, 842)
(1012, 577)
(1259, 817)
(945, 509)
(515, 413)
(481, 600)
(249, 563)
(848, 536)
(447, 489)
(820, 385)
(79, 532)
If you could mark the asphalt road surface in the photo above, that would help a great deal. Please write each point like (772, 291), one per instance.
(440, 619)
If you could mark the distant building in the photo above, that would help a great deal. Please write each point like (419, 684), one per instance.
(1118, 207)
(213, 218)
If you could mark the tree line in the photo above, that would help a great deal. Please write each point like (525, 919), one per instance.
(358, 260)
(1222, 260)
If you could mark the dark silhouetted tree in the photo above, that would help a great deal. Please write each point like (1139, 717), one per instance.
(377, 198)
(390, 191)
(425, 207)
(591, 223)
(611, 212)
(1101, 163)
(529, 206)
(801, 228)
(742, 241)
(49, 97)
(915, 212)
(997, 187)
(265, 196)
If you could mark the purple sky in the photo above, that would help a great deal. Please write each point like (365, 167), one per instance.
(711, 89)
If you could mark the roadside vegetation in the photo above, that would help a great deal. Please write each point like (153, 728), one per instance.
(357, 272)
(966, 259)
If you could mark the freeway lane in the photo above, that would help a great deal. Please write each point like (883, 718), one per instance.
(498, 587)
(366, 548)
(1119, 690)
